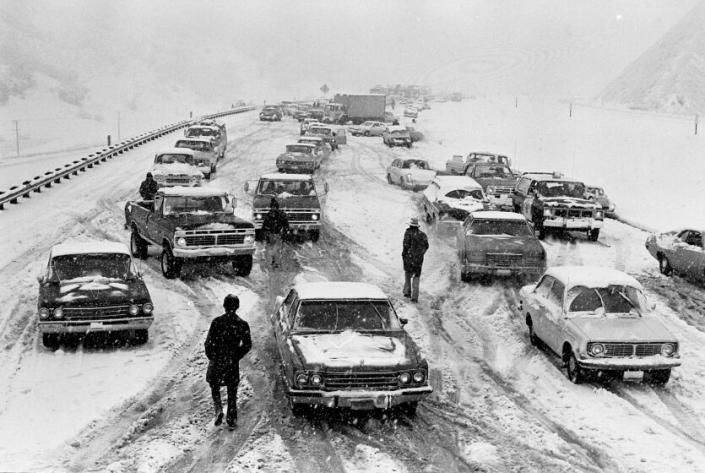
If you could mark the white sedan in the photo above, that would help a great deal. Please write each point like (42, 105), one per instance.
(369, 128)
(410, 173)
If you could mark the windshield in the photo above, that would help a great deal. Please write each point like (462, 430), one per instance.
(604, 301)
(174, 158)
(194, 145)
(493, 172)
(91, 266)
(298, 149)
(399, 133)
(319, 131)
(200, 132)
(499, 227)
(415, 164)
(194, 205)
(595, 191)
(337, 316)
(285, 188)
(561, 188)
(462, 194)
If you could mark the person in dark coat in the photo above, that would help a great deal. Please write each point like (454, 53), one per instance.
(414, 247)
(227, 342)
(275, 225)
(149, 187)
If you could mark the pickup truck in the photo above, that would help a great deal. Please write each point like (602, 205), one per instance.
(190, 223)
(176, 167)
(213, 132)
(204, 153)
(497, 180)
(459, 164)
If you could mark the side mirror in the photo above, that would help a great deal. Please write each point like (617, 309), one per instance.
(403, 320)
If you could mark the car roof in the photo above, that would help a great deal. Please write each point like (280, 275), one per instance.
(548, 177)
(182, 191)
(280, 176)
(311, 138)
(449, 183)
(411, 158)
(185, 151)
(497, 215)
(209, 127)
(339, 291)
(195, 138)
(591, 276)
(397, 128)
(89, 246)
(309, 145)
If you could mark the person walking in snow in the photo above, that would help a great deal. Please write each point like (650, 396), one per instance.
(275, 225)
(228, 341)
(149, 187)
(413, 250)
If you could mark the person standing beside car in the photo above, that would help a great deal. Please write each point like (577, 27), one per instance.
(275, 225)
(414, 248)
(149, 187)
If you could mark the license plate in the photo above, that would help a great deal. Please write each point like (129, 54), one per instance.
(96, 324)
(364, 404)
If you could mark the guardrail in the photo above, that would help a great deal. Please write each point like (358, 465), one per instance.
(49, 178)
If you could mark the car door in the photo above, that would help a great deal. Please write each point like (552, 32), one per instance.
(153, 220)
(553, 317)
(536, 305)
(688, 258)
(676, 251)
(281, 325)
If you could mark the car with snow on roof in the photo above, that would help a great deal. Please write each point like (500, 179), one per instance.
(552, 201)
(297, 197)
(368, 128)
(272, 113)
(410, 173)
(679, 252)
(326, 132)
(600, 323)
(212, 130)
(92, 286)
(190, 224)
(322, 147)
(307, 122)
(448, 200)
(598, 194)
(411, 112)
(497, 180)
(499, 244)
(300, 157)
(176, 167)
(460, 164)
(396, 136)
(204, 153)
(342, 345)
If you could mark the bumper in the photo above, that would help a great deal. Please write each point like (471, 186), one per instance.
(359, 400)
(501, 201)
(572, 223)
(399, 143)
(83, 326)
(629, 364)
(307, 168)
(213, 251)
(295, 227)
(504, 271)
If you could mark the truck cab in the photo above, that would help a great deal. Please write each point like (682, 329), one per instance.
(204, 153)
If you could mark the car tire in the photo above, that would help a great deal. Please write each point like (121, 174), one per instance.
(408, 145)
(409, 408)
(593, 235)
(657, 377)
(403, 184)
(138, 245)
(315, 235)
(171, 266)
(51, 340)
(213, 170)
(533, 338)
(242, 265)
(665, 266)
(207, 176)
(141, 336)
(465, 276)
(576, 374)
(367, 133)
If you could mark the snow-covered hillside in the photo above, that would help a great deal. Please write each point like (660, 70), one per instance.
(669, 76)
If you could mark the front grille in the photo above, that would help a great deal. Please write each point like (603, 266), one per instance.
(177, 180)
(96, 313)
(299, 216)
(371, 381)
(502, 190)
(215, 238)
(624, 350)
(504, 259)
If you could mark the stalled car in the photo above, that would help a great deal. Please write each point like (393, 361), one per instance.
(204, 154)
(600, 323)
(460, 164)
(499, 244)
(410, 173)
(598, 195)
(396, 136)
(271, 113)
(322, 147)
(213, 131)
(680, 252)
(327, 133)
(299, 157)
(368, 128)
(342, 345)
(497, 180)
(448, 200)
(176, 167)
(92, 286)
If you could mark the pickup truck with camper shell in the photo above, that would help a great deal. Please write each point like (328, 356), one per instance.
(600, 323)
(497, 180)
(213, 132)
(499, 244)
(342, 345)
(396, 136)
(92, 286)
(297, 197)
(459, 164)
(300, 157)
(190, 224)
(204, 153)
(553, 202)
(448, 200)
(176, 167)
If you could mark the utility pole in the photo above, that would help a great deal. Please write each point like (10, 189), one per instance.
(17, 136)
(118, 124)
(696, 123)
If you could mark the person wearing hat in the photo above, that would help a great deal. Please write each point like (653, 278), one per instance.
(274, 226)
(149, 187)
(413, 250)
(227, 342)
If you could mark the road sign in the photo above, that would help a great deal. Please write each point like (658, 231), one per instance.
(324, 88)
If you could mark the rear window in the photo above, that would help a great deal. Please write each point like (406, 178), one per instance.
(500, 227)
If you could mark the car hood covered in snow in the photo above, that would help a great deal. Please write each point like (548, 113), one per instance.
(193, 221)
(564, 201)
(287, 201)
(93, 292)
(631, 329)
(175, 169)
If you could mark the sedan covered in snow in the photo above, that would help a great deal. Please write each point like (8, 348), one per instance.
(396, 136)
(599, 322)
(501, 244)
(342, 345)
(368, 128)
(448, 200)
(92, 286)
(679, 252)
(410, 173)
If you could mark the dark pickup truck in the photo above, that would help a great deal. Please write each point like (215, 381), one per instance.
(191, 223)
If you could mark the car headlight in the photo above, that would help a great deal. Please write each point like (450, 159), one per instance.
(43, 313)
(159, 177)
(547, 213)
(134, 310)
(314, 217)
(258, 216)
(316, 380)
(598, 214)
(409, 177)
(58, 312)
(419, 377)
(147, 308)
(490, 190)
(404, 378)
(301, 379)
(249, 239)
(597, 349)
(181, 241)
(667, 349)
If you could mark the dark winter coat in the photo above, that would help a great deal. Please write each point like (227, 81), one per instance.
(148, 189)
(414, 248)
(275, 222)
(227, 342)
